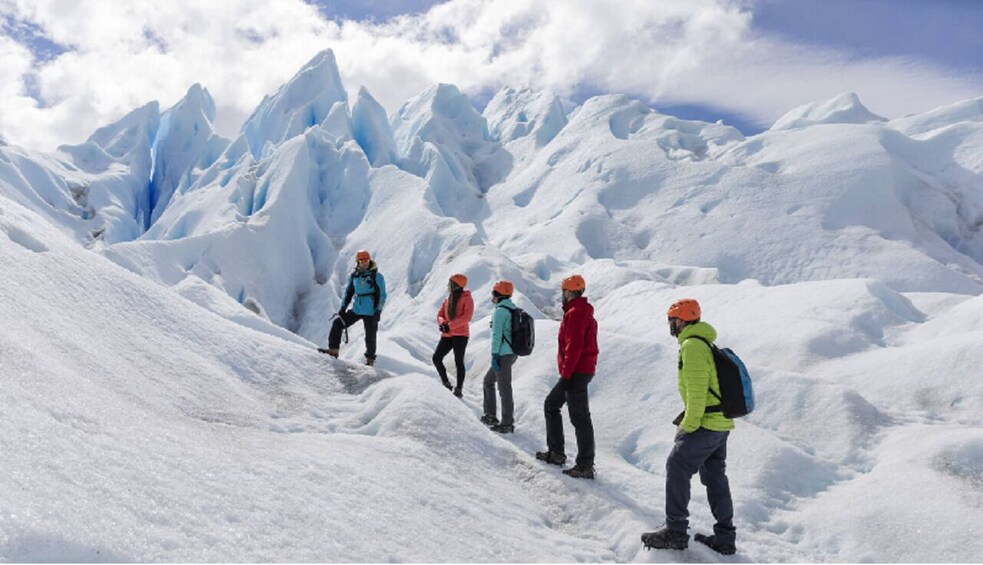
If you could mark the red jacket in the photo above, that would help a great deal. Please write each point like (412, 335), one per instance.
(461, 324)
(577, 352)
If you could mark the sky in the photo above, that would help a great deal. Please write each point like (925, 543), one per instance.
(67, 68)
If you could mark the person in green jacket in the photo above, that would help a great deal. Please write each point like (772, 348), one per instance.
(701, 439)
(502, 359)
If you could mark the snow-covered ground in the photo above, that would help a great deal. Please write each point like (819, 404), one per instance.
(163, 289)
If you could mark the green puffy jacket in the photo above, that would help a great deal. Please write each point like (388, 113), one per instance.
(698, 374)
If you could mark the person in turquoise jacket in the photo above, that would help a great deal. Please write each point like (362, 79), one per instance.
(502, 359)
(366, 292)
(701, 438)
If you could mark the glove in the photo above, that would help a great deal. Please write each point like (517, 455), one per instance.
(445, 328)
(563, 384)
(495, 364)
(378, 316)
(341, 312)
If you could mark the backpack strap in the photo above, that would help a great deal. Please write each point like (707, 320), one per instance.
(370, 279)
(717, 407)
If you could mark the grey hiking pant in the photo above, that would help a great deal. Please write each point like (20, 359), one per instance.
(704, 451)
(502, 377)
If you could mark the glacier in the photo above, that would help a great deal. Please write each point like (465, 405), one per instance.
(165, 289)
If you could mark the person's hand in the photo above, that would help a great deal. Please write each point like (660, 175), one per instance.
(495, 364)
(341, 312)
(445, 328)
(680, 433)
(564, 384)
(378, 316)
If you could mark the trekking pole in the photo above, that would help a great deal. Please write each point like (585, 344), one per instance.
(331, 319)
(342, 325)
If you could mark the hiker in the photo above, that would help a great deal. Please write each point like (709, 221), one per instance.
(454, 321)
(701, 439)
(502, 359)
(368, 288)
(576, 359)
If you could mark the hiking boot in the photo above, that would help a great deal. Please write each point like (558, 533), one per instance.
(330, 351)
(551, 457)
(446, 383)
(665, 539)
(713, 543)
(489, 420)
(369, 360)
(458, 393)
(579, 472)
(503, 429)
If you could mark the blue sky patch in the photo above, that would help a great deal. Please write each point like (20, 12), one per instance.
(371, 10)
(31, 35)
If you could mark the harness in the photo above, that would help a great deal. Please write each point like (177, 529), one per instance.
(369, 278)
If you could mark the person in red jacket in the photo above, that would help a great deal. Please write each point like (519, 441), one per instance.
(576, 359)
(454, 321)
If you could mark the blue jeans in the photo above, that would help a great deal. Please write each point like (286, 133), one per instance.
(704, 451)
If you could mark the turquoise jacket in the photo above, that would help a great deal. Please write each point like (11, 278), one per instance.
(368, 289)
(697, 375)
(501, 327)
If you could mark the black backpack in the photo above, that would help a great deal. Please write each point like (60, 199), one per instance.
(523, 332)
(736, 395)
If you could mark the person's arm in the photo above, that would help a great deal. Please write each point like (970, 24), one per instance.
(500, 315)
(574, 347)
(441, 319)
(696, 357)
(380, 282)
(349, 293)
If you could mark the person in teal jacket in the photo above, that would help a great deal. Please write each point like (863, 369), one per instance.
(502, 359)
(366, 292)
(701, 439)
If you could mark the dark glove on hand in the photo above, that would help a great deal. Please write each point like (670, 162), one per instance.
(445, 328)
(341, 312)
(564, 384)
(378, 316)
(495, 364)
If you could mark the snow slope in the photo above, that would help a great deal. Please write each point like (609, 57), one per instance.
(166, 404)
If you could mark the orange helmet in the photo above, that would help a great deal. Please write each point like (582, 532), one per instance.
(504, 288)
(575, 283)
(460, 280)
(686, 309)
(363, 255)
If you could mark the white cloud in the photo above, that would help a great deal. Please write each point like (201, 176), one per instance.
(667, 52)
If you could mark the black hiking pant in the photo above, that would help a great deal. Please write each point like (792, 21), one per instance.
(704, 451)
(371, 324)
(573, 393)
(459, 343)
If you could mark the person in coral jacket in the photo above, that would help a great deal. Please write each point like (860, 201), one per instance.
(454, 321)
(576, 360)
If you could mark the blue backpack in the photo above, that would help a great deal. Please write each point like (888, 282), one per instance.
(736, 395)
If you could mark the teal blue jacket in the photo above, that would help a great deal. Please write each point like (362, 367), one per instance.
(368, 289)
(501, 328)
